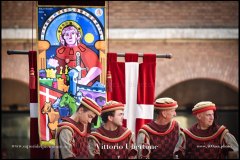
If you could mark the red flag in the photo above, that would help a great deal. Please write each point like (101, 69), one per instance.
(133, 84)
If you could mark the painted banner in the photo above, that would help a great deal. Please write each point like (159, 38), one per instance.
(71, 63)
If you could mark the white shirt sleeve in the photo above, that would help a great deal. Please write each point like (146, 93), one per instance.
(180, 146)
(93, 148)
(65, 143)
(231, 141)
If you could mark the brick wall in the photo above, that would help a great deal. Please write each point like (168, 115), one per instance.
(142, 14)
(18, 14)
(215, 59)
(155, 14)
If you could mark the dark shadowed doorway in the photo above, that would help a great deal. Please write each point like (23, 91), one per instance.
(190, 92)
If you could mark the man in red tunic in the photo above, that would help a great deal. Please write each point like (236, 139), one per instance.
(157, 139)
(72, 49)
(71, 136)
(206, 139)
(111, 140)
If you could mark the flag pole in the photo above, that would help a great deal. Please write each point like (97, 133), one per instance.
(167, 55)
(10, 52)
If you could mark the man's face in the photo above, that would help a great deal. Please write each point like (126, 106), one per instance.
(206, 118)
(118, 118)
(70, 37)
(86, 117)
(169, 114)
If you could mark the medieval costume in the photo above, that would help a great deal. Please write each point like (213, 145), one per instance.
(71, 141)
(71, 137)
(118, 144)
(112, 144)
(158, 141)
(215, 142)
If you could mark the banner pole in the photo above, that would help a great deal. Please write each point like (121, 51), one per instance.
(167, 55)
(36, 151)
